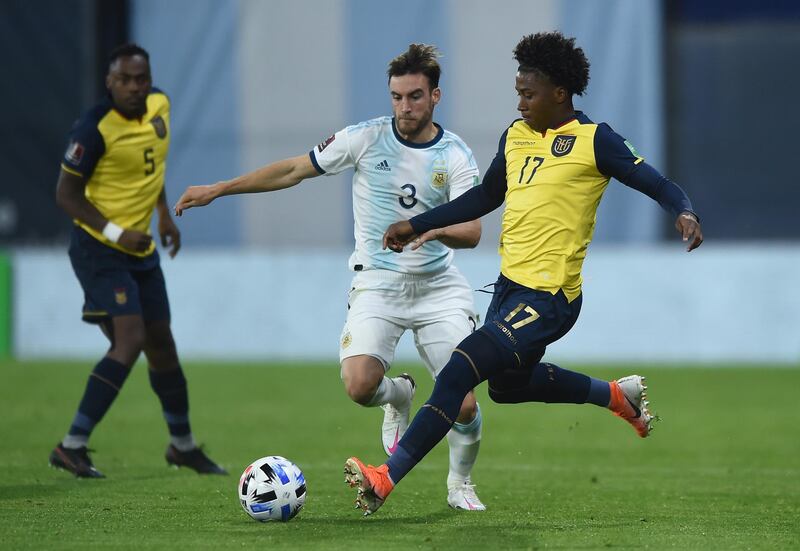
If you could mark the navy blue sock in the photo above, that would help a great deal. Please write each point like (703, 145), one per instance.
(554, 385)
(434, 419)
(473, 360)
(170, 387)
(104, 384)
(550, 384)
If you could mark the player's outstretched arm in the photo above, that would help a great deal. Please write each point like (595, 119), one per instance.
(275, 176)
(465, 209)
(466, 235)
(688, 226)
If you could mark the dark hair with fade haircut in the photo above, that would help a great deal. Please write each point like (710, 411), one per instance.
(127, 50)
(556, 57)
(419, 58)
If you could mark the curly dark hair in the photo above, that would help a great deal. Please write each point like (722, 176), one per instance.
(555, 56)
(419, 58)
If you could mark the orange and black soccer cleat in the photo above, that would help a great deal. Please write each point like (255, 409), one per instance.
(374, 484)
(628, 400)
(195, 459)
(74, 460)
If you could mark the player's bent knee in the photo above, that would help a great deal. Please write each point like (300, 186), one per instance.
(360, 391)
(361, 387)
(361, 376)
(129, 339)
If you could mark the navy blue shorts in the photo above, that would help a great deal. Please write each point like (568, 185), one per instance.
(525, 320)
(115, 283)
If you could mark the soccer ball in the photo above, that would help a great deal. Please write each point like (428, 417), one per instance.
(272, 488)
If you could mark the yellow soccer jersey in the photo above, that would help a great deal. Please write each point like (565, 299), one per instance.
(554, 187)
(552, 184)
(123, 162)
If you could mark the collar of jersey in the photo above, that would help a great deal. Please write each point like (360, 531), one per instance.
(578, 117)
(434, 141)
(109, 102)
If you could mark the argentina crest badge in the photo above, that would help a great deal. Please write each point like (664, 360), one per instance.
(439, 179)
(562, 145)
(439, 174)
(160, 126)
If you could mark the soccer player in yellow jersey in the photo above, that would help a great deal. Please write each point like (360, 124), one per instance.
(404, 165)
(551, 170)
(111, 180)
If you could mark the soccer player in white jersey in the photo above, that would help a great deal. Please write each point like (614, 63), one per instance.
(404, 165)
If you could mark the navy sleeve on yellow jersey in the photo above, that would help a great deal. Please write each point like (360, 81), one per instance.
(474, 203)
(86, 144)
(617, 159)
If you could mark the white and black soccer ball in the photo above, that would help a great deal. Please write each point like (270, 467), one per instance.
(272, 488)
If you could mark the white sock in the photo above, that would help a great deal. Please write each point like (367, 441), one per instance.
(183, 443)
(388, 393)
(464, 441)
(75, 441)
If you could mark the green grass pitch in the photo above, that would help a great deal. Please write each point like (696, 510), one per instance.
(721, 471)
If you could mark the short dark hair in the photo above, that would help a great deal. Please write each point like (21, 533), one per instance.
(127, 50)
(556, 57)
(419, 58)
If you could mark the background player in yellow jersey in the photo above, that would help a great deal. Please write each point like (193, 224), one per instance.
(112, 177)
(551, 169)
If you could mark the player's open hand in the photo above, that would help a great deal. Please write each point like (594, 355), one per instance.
(689, 227)
(170, 235)
(135, 240)
(195, 196)
(398, 236)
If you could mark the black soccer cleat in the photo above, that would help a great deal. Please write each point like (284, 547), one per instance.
(76, 461)
(195, 459)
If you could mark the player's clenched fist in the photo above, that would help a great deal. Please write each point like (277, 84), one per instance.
(398, 235)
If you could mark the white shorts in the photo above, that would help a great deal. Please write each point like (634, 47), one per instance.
(383, 304)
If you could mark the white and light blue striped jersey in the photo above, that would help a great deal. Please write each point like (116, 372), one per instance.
(394, 180)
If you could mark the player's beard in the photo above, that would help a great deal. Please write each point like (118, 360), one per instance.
(412, 128)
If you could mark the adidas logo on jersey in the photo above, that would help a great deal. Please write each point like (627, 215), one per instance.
(383, 165)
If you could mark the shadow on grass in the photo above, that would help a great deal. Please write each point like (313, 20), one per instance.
(31, 492)
(443, 529)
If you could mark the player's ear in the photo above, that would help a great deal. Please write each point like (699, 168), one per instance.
(560, 93)
(108, 81)
(436, 95)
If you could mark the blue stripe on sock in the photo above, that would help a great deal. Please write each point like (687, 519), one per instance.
(176, 419)
(81, 425)
(170, 387)
(599, 392)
